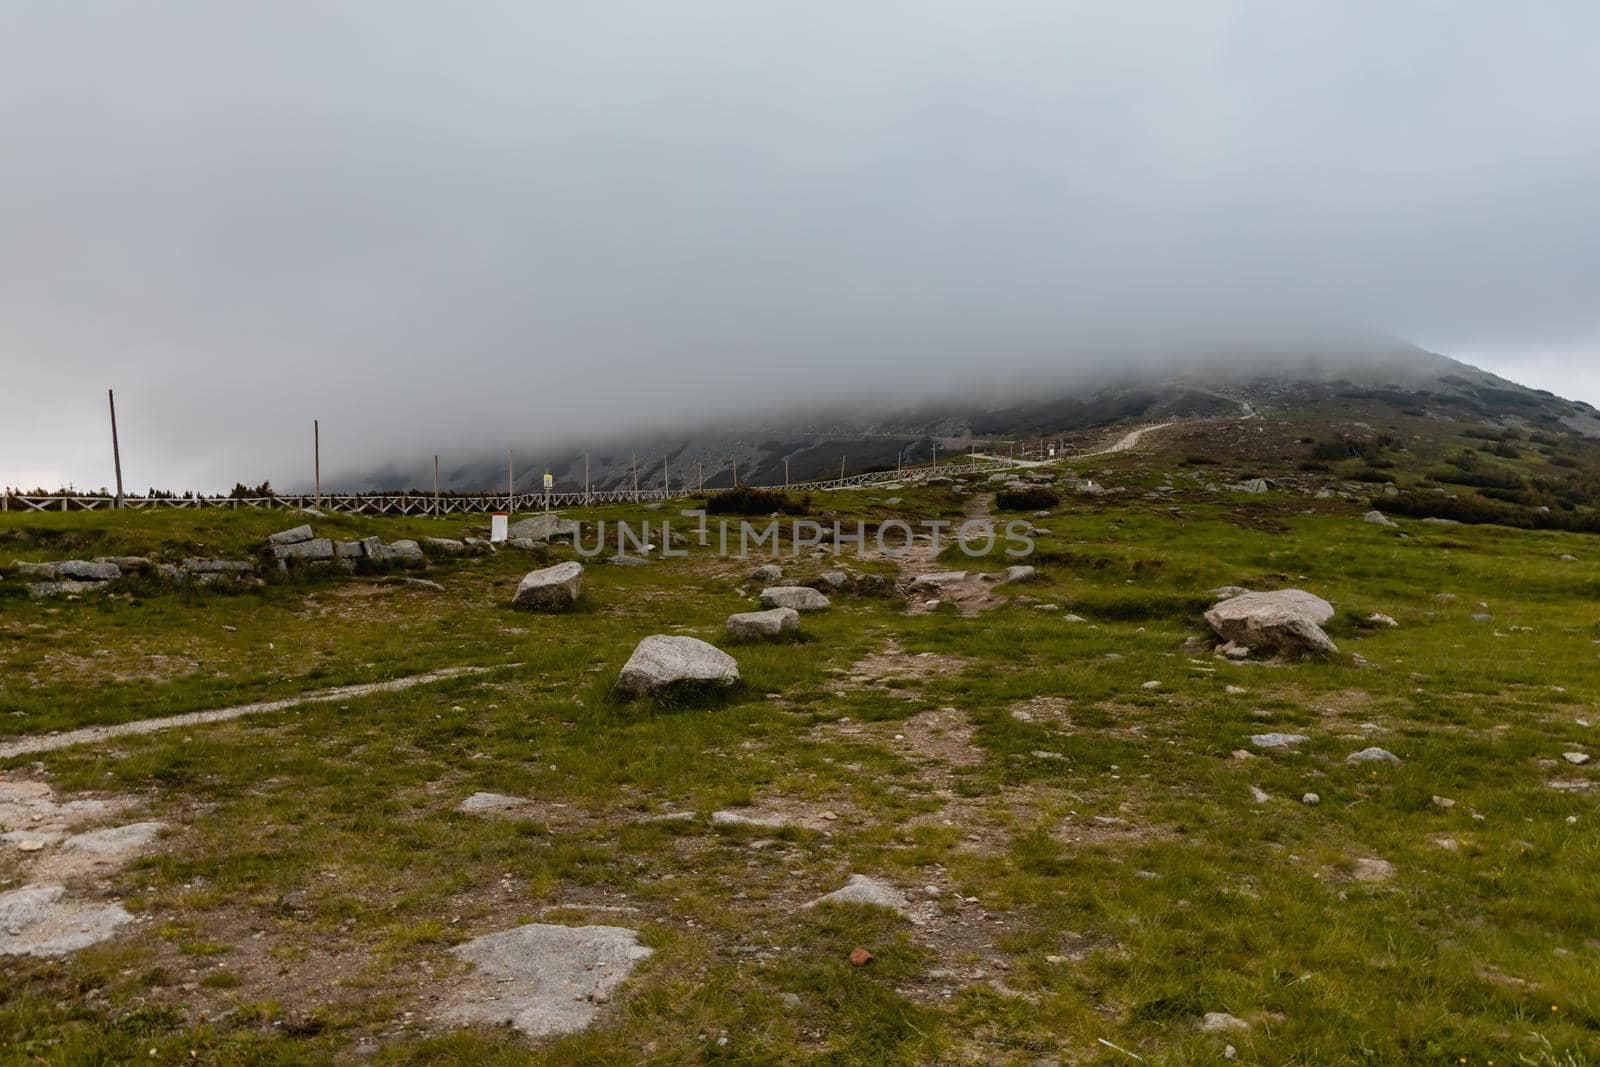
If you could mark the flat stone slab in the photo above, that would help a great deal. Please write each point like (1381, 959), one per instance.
(1277, 740)
(864, 890)
(41, 920)
(491, 804)
(113, 840)
(543, 979)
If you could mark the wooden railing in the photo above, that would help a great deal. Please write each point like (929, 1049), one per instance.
(424, 503)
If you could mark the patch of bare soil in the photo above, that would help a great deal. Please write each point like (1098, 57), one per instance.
(895, 664)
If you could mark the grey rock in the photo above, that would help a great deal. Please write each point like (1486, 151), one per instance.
(1287, 619)
(114, 840)
(1216, 1022)
(1377, 518)
(315, 550)
(551, 588)
(543, 528)
(628, 561)
(423, 583)
(938, 580)
(83, 570)
(1441, 522)
(295, 536)
(490, 804)
(38, 590)
(42, 571)
(798, 597)
(767, 572)
(403, 551)
(41, 920)
(543, 979)
(126, 563)
(830, 581)
(1277, 740)
(1019, 573)
(216, 566)
(1310, 800)
(751, 625)
(1577, 759)
(443, 546)
(1372, 755)
(863, 890)
(661, 661)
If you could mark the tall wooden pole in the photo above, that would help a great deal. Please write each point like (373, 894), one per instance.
(841, 468)
(436, 486)
(786, 472)
(666, 478)
(633, 462)
(316, 458)
(736, 472)
(116, 447)
(586, 479)
(700, 469)
(511, 484)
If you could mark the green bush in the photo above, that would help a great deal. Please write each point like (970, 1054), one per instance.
(1036, 498)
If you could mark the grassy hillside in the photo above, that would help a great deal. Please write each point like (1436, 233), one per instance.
(1092, 868)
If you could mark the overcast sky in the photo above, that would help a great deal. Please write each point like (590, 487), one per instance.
(462, 226)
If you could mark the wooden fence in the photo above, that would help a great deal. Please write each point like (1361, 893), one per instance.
(424, 503)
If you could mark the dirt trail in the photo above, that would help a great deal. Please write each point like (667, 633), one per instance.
(925, 586)
(94, 734)
(1126, 443)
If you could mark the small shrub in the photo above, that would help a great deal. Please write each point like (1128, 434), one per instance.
(749, 500)
(1036, 498)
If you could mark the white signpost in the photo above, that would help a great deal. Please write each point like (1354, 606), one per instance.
(498, 524)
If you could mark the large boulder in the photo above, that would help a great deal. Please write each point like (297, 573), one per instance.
(661, 661)
(552, 588)
(543, 528)
(754, 625)
(798, 597)
(1289, 620)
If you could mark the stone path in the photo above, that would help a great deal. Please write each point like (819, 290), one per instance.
(96, 734)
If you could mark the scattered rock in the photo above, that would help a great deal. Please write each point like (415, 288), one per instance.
(1220, 1022)
(41, 920)
(661, 661)
(1371, 870)
(1310, 800)
(315, 550)
(1579, 758)
(1372, 755)
(543, 528)
(551, 588)
(798, 597)
(1377, 518)
(1287, 619)
(543, 979)
(860, 957)
(861, 889)
(1277, 740)
(113, 840)
(1381, 619)
(298, 535)
(444, 546)
(490, 804)
(753, 625)
(1260, 796)
(766, 573)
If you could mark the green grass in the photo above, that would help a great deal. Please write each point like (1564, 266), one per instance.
(318, 872)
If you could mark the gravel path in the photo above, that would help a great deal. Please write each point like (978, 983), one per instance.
(95, 734)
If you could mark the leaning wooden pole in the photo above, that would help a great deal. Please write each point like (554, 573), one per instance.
(436, 486)
(116, 446)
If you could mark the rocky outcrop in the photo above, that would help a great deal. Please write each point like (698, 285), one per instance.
(543, 528)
